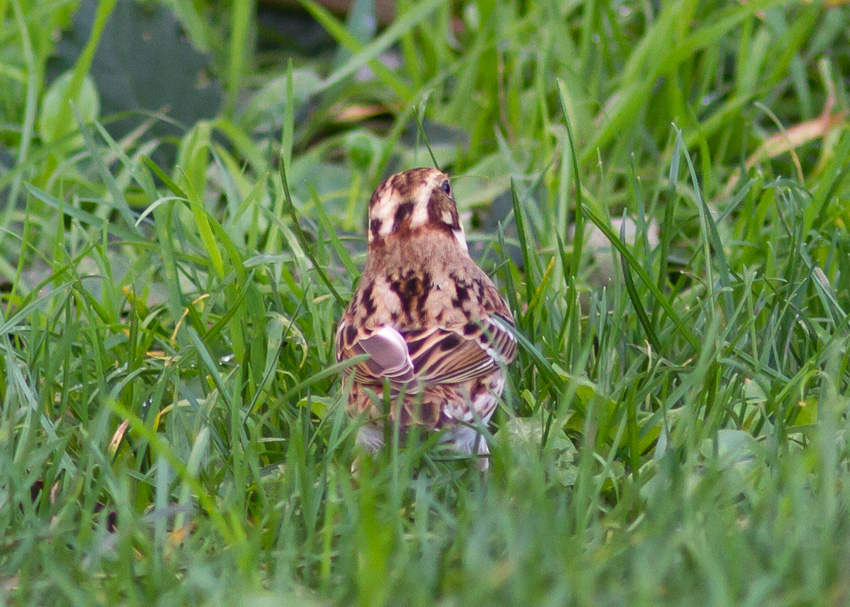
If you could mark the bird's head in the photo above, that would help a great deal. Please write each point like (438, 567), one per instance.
(413, 202)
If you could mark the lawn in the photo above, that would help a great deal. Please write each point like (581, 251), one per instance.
(659, 189)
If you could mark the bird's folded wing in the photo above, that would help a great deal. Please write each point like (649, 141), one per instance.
(389, 358)
(453, 355)
(438, 355)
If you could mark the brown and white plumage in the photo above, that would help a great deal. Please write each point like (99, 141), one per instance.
(436, 328)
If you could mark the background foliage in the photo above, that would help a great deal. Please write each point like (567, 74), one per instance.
(184, 187)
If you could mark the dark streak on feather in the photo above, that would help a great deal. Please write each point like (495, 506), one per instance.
(376, 195)
(368, 301)
(399, 183)
(461, 290)
(450, 342)
(438, 205)
(403, 211)
(412, 290)
(479, 288)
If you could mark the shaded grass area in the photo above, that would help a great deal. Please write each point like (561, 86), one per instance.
(171, 428)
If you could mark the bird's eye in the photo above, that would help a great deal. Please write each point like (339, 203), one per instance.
(446, 188)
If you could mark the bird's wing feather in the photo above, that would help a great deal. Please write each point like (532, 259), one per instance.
(389, 357)
(428, 356)
(457, 354)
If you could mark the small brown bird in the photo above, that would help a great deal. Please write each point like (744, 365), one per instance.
(436, 328)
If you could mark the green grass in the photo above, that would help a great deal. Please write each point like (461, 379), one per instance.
(171, 429)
